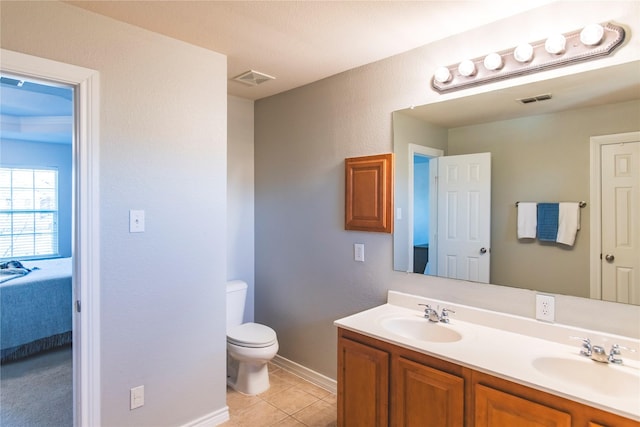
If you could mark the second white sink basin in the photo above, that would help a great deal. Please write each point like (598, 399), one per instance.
(419, 328)
(602, 378)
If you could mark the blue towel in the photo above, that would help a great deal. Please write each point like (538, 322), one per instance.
(548, 221)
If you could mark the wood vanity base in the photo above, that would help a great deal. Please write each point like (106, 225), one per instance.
(381, 384)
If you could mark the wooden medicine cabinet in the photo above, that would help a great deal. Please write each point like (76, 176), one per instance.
(369, 193)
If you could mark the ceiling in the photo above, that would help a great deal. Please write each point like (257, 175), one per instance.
(299, 42)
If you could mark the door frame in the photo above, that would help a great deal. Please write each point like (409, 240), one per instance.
(86, 247)
(422, 150)
(595, 194)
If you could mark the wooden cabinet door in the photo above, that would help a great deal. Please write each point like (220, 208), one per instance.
(363, 385)
(424, 396)
(369, 193)
(495, 408)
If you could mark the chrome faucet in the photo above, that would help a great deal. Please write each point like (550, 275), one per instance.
(599, 354)
(433, 316)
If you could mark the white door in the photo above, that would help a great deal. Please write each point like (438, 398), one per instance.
(620, 182)
(464, 217)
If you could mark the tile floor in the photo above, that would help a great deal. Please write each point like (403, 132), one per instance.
(289, 402)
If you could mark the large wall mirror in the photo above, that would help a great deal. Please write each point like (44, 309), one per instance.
(541, 151)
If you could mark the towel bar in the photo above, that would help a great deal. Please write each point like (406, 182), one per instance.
(582, 204)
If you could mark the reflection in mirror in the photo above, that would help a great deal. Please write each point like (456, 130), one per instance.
(540, 152)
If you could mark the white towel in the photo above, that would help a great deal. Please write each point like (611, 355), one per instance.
(568, 222)
(527, 220)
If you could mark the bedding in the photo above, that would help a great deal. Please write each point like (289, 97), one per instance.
(36, 309)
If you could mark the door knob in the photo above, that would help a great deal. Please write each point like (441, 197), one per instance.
(609, 257)
(483, 250)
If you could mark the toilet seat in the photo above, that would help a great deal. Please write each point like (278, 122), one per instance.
(252, 335)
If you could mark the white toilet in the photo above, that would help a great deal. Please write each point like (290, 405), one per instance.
(250, 346)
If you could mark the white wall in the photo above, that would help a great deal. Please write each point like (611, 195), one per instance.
(305, 273)
(240, 197)
(162, 149)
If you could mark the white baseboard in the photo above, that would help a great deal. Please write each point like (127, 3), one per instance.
(210, 420)
(306, 373)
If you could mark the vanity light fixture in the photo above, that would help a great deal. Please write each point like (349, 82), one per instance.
(467, 68)
(592, 41)
(493, 62)
(523, 53)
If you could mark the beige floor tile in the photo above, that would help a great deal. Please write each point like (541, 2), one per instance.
(312, 389)
(276, 385)
(319, 414)
(237, 401)
(290, 422)
(331, 398)
(291, 400)
(262, 414)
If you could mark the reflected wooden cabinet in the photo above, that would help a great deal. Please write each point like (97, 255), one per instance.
(381, 384)
(369, 193)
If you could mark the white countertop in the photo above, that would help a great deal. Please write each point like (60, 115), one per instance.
(506, 346)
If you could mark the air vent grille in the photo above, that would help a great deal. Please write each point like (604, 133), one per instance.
(532, 99)
(253, 78)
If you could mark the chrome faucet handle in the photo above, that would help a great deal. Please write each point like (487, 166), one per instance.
(444, 317)
(427, 309)
(587, 348)
(615, 352)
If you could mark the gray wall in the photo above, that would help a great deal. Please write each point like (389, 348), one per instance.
(305, 273)
(240, 197)
(542, 158)
(162, 149)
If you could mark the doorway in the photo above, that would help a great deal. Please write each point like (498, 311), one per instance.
(85, 213)
(615, 218)
(36, 223)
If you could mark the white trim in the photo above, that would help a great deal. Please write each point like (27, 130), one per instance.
(313, 377)
(86, 255)
(212, 419)
(596, 142)
(414, 149)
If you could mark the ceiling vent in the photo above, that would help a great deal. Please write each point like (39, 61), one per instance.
(533, 99)
(253, 78)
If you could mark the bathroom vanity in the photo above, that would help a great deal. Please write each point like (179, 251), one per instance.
(395, 367)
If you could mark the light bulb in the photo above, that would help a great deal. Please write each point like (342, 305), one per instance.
(467, 68)
(592, 34)
(442, 75)
(523, 53)
(555, 44)
(493, 61)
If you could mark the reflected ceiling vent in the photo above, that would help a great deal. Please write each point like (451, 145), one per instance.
(253, 78)
(533, 99)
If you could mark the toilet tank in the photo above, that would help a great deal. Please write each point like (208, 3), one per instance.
(236, 297)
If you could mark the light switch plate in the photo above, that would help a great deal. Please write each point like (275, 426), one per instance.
(137, 397)
(136, 221)
(358, 252)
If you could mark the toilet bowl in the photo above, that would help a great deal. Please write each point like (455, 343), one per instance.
(250, 346)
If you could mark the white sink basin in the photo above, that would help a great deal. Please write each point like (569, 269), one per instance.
(419, 328)
(606, 379)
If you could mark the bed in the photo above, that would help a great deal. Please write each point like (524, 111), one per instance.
(36, 309)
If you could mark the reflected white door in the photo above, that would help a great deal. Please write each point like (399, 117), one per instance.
(464, 217)
(620, 165)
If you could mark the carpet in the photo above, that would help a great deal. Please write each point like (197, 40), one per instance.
(38, 391)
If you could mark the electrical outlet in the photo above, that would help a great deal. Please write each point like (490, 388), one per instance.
(137, 397)
(545, 307)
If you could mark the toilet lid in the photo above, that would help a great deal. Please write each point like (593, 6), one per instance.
(251, 335)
